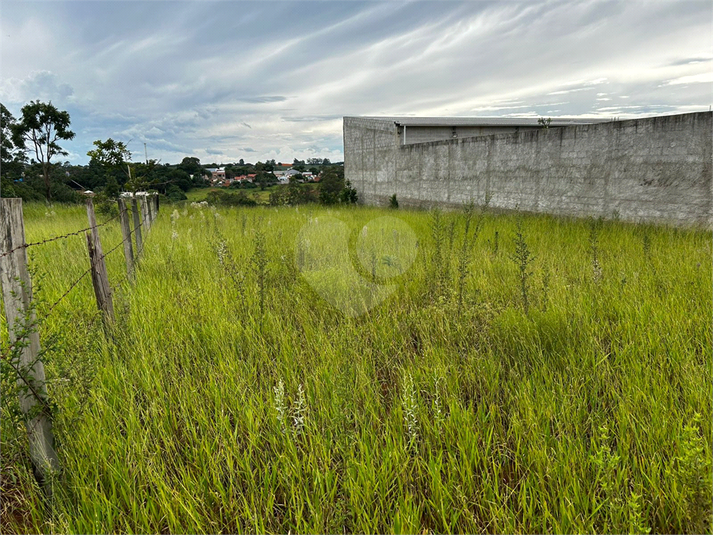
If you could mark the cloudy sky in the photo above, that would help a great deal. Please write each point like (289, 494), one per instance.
(259, 80)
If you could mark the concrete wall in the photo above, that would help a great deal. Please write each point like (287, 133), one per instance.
(655, 169)
(423, 134)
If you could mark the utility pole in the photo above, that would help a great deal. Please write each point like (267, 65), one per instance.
(146, 154)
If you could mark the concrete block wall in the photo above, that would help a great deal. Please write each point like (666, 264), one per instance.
(653, 170)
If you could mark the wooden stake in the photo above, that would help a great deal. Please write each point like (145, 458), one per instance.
(100, 278)
(145, 213)
(137, 226)
(22, 324)
(149, 207)
(126, 234)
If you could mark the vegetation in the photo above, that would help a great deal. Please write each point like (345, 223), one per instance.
(233, 398)
(42, 125)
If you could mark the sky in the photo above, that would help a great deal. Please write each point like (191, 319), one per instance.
(228, 80)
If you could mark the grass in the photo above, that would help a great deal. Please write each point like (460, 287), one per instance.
(435, 403)
(261, 196)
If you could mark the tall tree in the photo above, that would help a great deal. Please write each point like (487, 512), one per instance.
(42, 125)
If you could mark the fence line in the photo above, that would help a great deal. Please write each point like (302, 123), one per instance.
(22, 321)
(56, 238)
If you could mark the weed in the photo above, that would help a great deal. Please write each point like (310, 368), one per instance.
(280, 405)
(259, 261)
(523, 259)
(692, 470)
(410, 408)
(437, 256)
(299, 413)
(594, 229)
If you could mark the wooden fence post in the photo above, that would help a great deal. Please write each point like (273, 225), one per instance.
(100, 278)
(126, 234)
(152, 206)
(137, 226)
(17, 295)
(157, 204)
(149, 207)
(145, 213)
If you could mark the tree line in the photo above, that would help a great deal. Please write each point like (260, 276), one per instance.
(31, 145)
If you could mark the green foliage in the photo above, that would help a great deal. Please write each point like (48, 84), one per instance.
(692, 469)
(523, 258)
(293, 194)
(39, 129)
(224, 198)
(105, 204)
(349, 194)
(175, 194)
(109, 153)
(393, 202)
(11, 157)
(111, 190)
(227, 416)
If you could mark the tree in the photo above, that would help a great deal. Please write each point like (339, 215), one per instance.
(42, 125)
(331, 186)
(192, 166)
(110, 153)
(112, 157)
(11, 159)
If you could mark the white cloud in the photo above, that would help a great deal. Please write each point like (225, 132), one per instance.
(273, 79)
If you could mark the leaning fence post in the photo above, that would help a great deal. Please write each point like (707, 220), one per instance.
(17, 295)
(126, 234)
(137, 226)
(100, 278)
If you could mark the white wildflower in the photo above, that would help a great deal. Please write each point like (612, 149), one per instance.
(410, 406)
(299, 411)
(280, 406)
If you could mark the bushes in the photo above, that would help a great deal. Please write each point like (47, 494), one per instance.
(223, 198)
(174, 193)
(333, 189)
(293, 194)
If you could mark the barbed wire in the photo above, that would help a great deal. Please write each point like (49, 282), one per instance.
(87, 271)
(6, 355)
(63, 236)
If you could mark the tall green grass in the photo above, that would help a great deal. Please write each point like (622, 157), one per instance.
(233, 397)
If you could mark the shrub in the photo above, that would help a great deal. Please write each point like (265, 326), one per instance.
(223, 198)
(393, 202)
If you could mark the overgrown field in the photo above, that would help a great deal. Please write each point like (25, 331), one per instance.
(289, 370)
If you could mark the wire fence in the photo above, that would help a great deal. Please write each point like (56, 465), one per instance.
(22, 354)
(75, 283)
(56, 238)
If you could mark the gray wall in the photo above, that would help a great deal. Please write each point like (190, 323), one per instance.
(423, 134)
(655, 169)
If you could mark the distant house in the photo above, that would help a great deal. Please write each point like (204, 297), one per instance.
(218, 174)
